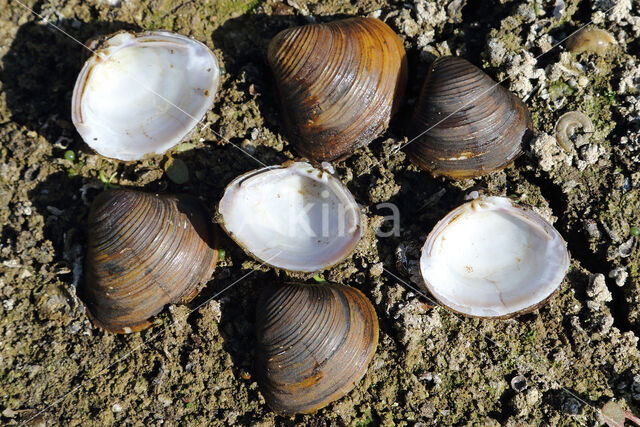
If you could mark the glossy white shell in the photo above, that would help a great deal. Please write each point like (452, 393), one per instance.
(491, 258)
(295, 217)
(141, 94)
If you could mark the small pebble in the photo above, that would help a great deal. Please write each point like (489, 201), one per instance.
(583, 81)
(591, 227)
(613, 234)
(590, 153)
(558, 9)
(597, 289)
(55, 211)
(376, 269)
(426, 376)
(571, 406)
(12, 263)
(177, 171)
(533, 396)
(249, 146)
(185, 146)
(70, 155)
(165, 400)
(472, 195)
(635, 387)
(603, 323)
(74, 328)
(328, 167)
(626, 248)
(620, 275)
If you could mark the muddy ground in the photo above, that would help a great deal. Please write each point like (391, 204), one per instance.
(556, 366)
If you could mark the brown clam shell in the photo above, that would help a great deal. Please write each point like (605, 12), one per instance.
(315, 343)
(339, 84)
(144, 252)
(466, 124)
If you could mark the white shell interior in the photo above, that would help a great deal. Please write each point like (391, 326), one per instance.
(297, 218)
(490, 258)
(141, 94)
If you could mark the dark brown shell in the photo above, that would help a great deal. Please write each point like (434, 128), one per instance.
(339, 84)
(315, 343)
(144, 252)
(468, 124)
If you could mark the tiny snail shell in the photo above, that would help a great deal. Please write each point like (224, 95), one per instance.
(465, 124)
(566, 126)
(314, 343)
(339, 84)
(590, 39)
(144, 252)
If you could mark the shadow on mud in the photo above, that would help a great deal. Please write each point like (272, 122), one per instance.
(237, 298)
(40, 69)
(244, 42)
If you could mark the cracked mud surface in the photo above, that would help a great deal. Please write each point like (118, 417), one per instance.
(431, 366)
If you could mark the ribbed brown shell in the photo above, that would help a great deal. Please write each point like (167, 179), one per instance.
(486, 128)
(144, 252)
(314, 344)
(339, 84)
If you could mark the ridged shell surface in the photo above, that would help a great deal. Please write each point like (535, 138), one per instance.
(144, 251)
(466, 124)
(315, 343)
(339, 84)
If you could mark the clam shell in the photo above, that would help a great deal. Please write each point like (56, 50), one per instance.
(492, 258)
(339, 84)
(466, 124)
(140, 94)
(315, 343)
(293, 217)
(144, 252)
